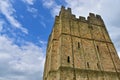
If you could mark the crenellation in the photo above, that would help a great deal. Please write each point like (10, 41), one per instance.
(83, 19)
(69, 10)
(92, 15)
(80, 49)
(73, 17)
(98, 17)
(95, 19)
(62, 8)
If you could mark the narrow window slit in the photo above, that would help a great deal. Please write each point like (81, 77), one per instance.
(68, 59)
(78, 44)
(98, 65)
(88, 65)
(98, 48)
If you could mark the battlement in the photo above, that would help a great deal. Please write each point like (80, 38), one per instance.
(92, 15)
(92, 18)
(95, 19)
(81, 18)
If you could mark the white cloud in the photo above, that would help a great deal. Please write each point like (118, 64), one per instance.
(25, 62)
(43, 24)
(4, 56)
(7, 10)
(48, 3)
(52, 5)
(32, 10)
(30, 2)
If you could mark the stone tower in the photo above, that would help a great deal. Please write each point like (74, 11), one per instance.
(80, 49)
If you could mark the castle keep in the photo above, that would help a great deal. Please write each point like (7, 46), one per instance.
(80, 49)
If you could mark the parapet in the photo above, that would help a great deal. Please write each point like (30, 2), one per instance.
(95, 19)
(73, 17)
(92, 18)
(83, 19)
(92, 15)
(98, 17)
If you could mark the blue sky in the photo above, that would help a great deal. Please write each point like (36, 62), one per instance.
(26, 24)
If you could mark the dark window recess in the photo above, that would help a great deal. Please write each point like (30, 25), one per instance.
(88, 65)
(98, 65)
(68, 59)
(97, 48)
(91, 27)
(78, 44)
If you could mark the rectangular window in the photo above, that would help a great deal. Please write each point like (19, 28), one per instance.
(88, 66)
(68, 59)
(98, 48)
(78, 44)
(98, 65)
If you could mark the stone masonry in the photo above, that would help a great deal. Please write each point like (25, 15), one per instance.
(80, 49)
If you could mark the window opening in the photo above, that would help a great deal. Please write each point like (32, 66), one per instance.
(98, 65)
(98, 48)
(68, 59)
(78, 44)
(88, 65)
(91, 27)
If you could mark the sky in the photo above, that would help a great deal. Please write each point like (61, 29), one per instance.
(26, 24)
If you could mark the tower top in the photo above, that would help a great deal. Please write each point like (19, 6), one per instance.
(92, 18)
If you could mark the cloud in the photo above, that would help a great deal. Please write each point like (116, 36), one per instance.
(25, 62)
(8, 11)
(30, 7)
(32, 10)
(43, 24)
(48, 3)
(52, 5)
(29, 2)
